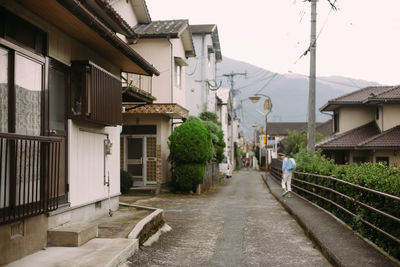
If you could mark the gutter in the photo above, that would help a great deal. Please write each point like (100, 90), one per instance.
(79, 11)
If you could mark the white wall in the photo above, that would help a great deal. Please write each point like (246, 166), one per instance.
(158, 52)
(199, 97)
(86, 163)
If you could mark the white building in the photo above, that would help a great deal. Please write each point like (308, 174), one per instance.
(201, 84)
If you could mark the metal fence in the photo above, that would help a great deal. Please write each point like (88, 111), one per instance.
(29, 175)
(354, 200)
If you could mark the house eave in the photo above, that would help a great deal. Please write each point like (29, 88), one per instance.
(78, 22)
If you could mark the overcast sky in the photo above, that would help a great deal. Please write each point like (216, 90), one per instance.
(360, 40)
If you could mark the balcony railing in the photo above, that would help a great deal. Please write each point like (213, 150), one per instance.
(29, 175)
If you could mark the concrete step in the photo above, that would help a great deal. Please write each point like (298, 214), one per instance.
(98, 252)
(71, 235)
(151, 190)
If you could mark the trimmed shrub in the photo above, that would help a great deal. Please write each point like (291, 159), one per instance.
(126, 181)
(190, 143)
(188, 176)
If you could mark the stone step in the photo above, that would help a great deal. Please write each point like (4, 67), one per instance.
(152, 190)
(71, 235)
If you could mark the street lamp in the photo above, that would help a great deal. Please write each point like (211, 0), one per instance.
(267, 106)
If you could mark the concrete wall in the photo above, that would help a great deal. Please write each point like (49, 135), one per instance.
(199, 97)
(391, 116)
(353, 117)
(179, 92)
(33, 237)
(163, 132)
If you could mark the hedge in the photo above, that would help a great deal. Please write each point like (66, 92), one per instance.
(379, 177)
(188, 176)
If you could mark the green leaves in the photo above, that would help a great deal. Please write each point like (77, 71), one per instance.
(190, 143)
(379, 177)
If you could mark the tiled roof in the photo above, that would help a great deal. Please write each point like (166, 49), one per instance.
(365, 95)
(387, 139)
(361, 95)
(202, 28)
(161, 29)
(173, 111)
(351, 139)
(393, 93)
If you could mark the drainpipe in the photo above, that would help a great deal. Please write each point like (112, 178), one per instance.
(172, 80)
(203, 87)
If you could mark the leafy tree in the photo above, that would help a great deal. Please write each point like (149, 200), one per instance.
(298, 140)
(209, 116)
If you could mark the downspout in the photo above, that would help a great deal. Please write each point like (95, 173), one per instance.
(172, 80)
(203, 87)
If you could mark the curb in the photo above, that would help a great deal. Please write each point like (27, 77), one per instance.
(148, 226)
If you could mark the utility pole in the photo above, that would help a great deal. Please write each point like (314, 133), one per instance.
(311, 94)
(231, 79)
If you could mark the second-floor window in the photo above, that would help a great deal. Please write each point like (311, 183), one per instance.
(178, 73)
(335, 122)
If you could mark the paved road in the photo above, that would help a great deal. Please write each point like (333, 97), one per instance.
(240, 224)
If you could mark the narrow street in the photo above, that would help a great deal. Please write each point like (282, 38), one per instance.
(240, 224)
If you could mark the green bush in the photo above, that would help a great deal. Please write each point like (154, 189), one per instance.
(378, 176)
(126, 181)
(188, 176)
(190, 143)
(216, 134)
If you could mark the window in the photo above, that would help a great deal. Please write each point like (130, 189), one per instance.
(28, 89)
(3, 90)
(359, 160)
(178, 70)
(96, 95)
(179, 63)
(21, 32)
(377, 113)
(384, 160)
(335, 122)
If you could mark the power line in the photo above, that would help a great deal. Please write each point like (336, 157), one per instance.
(333, 7)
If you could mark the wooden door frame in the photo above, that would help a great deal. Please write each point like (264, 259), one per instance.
(67, 71)
(144, 150)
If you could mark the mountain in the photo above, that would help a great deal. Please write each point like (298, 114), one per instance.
(288, 93)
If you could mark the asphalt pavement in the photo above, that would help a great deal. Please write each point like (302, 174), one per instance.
(238, 224)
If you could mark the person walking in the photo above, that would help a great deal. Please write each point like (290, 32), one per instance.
(288, 165)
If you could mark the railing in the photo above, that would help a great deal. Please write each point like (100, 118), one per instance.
(29, 175)
(337, 196)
